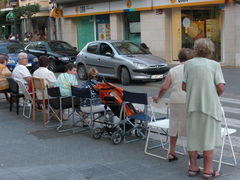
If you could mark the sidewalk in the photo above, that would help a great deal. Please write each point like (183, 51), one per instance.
(31, 152)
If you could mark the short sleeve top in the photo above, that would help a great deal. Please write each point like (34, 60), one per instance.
(201, 76)
(64, 82)
(20, 72)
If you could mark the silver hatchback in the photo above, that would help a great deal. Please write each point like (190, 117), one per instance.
(122, 60)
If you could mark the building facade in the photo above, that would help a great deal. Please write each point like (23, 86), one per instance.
(40, 23)
(164, 25)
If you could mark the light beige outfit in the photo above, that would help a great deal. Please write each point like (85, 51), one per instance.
(204, 112)
(49, 80)
(177, 123)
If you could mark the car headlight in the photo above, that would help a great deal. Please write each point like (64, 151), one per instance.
(140, 65)
(64, 58)
(35, 59)
(11, 61)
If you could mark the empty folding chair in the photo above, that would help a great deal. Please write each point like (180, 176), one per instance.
(137, 122)
(158, 130)
(226, 132)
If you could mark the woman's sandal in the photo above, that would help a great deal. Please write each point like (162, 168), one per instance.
(212, 175)
(172, 157)
(192, 173)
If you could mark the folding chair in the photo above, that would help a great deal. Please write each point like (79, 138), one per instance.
(56, 105)
(14, 93)
(28, 100)
(138, 121)
(158, 130)
(38, 84)
(85, 93)
(225, 131)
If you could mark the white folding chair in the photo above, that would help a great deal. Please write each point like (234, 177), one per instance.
(225, 131)
(158, 129)
(28, 100)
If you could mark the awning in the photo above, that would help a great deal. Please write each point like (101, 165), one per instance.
(6, 9)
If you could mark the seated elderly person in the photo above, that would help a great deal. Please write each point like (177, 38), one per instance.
(44, 73)
(97, 106)
(4, 72)
(21, 72)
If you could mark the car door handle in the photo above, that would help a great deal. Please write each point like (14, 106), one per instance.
(85, 56)
(98, 59)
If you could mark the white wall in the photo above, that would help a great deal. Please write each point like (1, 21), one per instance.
(231, 35)
(153, 32)
(69, 31)
(117, 26)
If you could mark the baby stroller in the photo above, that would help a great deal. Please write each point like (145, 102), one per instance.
(112, 97)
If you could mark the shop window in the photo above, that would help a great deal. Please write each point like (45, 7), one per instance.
(132, 27)
(201, 23)
(92, 48)
(103, 27)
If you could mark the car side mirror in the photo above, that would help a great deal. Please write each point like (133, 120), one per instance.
(109, 54)
(74, 48)
(27, 51)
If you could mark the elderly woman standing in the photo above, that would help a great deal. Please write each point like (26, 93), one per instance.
(204, 83)
(173, 81)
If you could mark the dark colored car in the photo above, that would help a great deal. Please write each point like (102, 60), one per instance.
(12, 49)
(122, 60)
(60, 53)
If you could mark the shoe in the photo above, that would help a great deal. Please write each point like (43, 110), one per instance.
(172, 157)
(192, 173)
(212, 175)
(199, 156)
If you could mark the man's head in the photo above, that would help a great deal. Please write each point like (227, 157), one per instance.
(22, 58)
(43, 61)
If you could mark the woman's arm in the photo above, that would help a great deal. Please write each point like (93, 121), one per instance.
(167, 83)
(220, 88)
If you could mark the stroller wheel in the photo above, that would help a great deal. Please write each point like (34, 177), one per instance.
(97, 133)
(116, 137)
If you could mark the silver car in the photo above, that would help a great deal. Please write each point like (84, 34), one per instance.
(123, 60)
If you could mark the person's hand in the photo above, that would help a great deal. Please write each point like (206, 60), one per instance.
(155, 99)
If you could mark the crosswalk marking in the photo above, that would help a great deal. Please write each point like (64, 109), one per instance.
(230, 100)
(231, 110)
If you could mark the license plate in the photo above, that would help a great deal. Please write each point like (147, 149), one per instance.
(158, 76)
(29, 65)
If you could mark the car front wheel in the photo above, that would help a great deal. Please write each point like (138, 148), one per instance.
(125, 76)
(82, 73)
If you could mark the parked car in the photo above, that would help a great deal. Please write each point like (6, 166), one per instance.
(123, 60)
(59, 52)
(12, 49)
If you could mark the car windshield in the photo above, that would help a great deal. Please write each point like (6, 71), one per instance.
(128, 48)
(11, 48)
(60, 46)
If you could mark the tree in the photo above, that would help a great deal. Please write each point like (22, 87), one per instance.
(26, 11)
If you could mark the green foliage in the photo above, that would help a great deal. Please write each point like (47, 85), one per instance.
(26, 11)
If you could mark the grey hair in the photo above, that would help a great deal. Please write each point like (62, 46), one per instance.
(22, 55)
(204, 47)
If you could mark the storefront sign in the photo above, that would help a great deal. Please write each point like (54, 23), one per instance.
(181, 3)
(186, 22)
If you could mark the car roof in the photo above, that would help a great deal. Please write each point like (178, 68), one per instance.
(111, 41)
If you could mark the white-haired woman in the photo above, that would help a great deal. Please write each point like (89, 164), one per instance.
(21, 72)
(204, 83)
